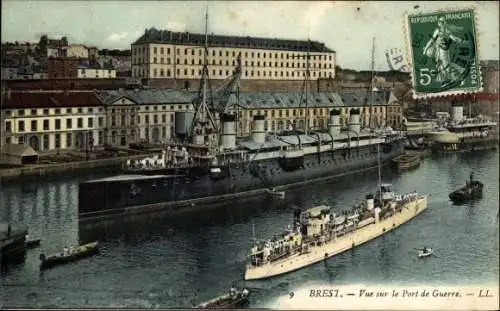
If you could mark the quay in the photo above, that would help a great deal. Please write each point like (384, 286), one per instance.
(46, 169)
(12, 243)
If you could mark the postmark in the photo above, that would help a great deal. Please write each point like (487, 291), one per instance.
(396, 59)
(443, 56)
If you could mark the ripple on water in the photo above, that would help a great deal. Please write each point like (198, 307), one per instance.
(162, 261)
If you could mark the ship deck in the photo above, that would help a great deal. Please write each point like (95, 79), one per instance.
(130, 177)
(339, 245)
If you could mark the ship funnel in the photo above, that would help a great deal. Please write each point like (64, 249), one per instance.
(369, 202)
(354, 124)
(457, 113)
(377, 214)
(228, 137)
(258, 133)
(334, 124)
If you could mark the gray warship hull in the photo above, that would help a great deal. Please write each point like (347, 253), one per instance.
(188, 188)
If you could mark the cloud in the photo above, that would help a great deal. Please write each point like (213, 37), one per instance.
(313, 16)
(116, 37)
(176, 26)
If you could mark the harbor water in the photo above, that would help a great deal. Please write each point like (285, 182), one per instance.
(164, 261)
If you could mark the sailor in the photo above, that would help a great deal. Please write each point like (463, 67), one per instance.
(245, 292)
(65, 251)
(232, 292)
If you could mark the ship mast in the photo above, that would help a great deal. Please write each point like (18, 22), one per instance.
(379, 174)
(306, 83)
(308, 56)
(202, 110)
(371, 82)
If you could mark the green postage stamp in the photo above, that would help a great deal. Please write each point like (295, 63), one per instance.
(443, 53)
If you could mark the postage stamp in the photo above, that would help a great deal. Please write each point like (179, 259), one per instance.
(443, 56)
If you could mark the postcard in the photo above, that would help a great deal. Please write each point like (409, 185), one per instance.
(288, 155)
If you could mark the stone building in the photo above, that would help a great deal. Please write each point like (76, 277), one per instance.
(162, 54)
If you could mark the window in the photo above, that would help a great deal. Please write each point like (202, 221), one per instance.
(8, 127)
(46, 125)
(69, 140)
(33, 126)
(155, 119)
(90, 122)
(79, 123)
(45, 111)
(33, 112)
(45, 142)
(58, 141)
(58, 124)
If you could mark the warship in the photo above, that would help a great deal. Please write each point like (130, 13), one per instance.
(212, 164)
(319, 233)
(462, 133)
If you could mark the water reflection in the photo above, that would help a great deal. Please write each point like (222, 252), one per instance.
(165, 260)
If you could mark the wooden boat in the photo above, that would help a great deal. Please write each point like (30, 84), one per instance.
(234, 299)
(276, 193)
(425, 252)
(69, 255)
(473, 190)
(407, 161)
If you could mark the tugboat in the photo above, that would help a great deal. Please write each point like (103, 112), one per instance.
(318, 233)
(234, 299)
(473, 190)
(69, 255)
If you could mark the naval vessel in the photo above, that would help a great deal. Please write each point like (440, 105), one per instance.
(212, 164)
(319, 233)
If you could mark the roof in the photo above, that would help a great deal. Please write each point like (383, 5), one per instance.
(154, 35)
(51, 99)
(361, 97)
(19, 150)
(264, 100)
(152, 96)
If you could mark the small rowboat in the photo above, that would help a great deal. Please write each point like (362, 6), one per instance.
(71, 255)
(233, 300)
(425, 252)
(276, 193)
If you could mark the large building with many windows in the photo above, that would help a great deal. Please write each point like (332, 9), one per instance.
(284, 111)
(163, 54)
(54, 121)
(64, 121)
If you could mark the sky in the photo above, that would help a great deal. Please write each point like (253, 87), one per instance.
(346, 27)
